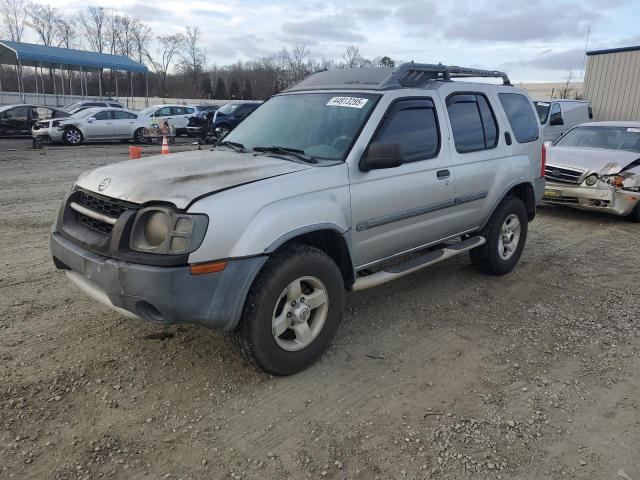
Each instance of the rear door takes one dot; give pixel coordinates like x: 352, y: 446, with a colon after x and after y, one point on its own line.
x: 180, y: 117
x: 402, y: 208
x: 100, y: 126
x: 475, y: 136
x: 124, y: 123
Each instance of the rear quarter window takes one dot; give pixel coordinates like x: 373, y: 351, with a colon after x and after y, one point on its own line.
x: 522, y: 118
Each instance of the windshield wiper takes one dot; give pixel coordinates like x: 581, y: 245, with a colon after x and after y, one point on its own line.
x: 238, y: 147
x: 295, y: 152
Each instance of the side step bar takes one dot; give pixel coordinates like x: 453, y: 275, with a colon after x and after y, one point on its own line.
x: 401, y: 269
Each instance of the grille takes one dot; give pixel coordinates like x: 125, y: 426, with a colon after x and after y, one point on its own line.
x: 99, y: 204
x: 561, y: 174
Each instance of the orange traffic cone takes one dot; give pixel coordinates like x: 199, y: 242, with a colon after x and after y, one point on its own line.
x: 165, y: 146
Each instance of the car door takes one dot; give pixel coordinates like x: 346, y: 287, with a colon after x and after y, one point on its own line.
x: 179, y: 119
x: 124, y: 123
x: 403, y: 208
x: 100, y: 126
x: 164, y: 113
x: 555, y: 128
x: 15, y: 120
x: 474, y: 145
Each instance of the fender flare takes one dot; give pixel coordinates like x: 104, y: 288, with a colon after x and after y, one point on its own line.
x: 502, y: 196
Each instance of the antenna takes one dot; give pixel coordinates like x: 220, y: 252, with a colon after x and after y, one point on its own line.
x: 584, y: 58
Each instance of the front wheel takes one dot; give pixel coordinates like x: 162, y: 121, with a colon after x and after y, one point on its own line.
x: 138, y: 136
x: 292, y: 311
x: 72, y: 136
x: 506, y: 235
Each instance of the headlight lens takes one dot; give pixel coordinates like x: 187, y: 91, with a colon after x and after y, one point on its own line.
x: 163, y: 230
x: 591, y: 180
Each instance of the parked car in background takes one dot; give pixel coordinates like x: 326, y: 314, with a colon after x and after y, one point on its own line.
x: 84, y: 104
x: 596, y: 166
x: 91, y: 124
x: 349, y: 179
x: 558, y: 116
x: 176, y: 115
x: 19, y: 119
x: 199, y: 121
x: 230, y: 115
x: 205, y: 108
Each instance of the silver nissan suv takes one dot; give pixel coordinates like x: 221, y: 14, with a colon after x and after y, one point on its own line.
x: 347, y: 180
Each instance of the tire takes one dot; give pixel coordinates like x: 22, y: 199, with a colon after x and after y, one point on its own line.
x: 269, y: 300
x: 224, y: 131
x: 495, y: 257
x: 72, y: 136
x: 138, y: 136
x: 634, y: 216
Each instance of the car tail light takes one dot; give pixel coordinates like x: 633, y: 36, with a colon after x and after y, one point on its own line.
x: 544, y: 160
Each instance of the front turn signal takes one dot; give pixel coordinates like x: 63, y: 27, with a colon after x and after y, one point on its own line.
x: 209, y: 267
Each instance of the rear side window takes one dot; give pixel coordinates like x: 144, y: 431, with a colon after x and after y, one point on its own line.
x: 472, y: 122
x: 414, y: 125
x: 106, y: 115
x: 122, y: 115
x: 521, y: 116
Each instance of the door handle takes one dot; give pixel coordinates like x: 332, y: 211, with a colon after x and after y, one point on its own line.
x: 443, y: 174
x: 507, y: 138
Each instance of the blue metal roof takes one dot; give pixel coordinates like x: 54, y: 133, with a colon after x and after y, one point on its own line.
x: 29, y: 54
x: 613, y: 50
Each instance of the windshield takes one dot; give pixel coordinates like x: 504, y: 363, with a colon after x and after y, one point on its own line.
x: 87, y: 112
x: 543, y: 111
x: 610, y: 138
x: 322, y: 125
x: 147, y: 111
x: 228, y: 108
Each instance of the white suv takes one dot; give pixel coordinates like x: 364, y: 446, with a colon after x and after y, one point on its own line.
x: 176, y: 115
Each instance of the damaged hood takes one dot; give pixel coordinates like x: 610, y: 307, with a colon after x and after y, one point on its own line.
x: 180, y: 178
x: 594, y: 160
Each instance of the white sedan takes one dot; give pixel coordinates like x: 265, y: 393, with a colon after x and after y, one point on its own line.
x: 92, y: 124
x: 176, y: 115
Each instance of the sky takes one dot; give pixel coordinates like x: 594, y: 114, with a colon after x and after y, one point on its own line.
x: 534, y: 41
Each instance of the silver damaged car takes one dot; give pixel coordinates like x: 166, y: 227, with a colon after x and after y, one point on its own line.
x: 345, y: 181
x: 596, y: 166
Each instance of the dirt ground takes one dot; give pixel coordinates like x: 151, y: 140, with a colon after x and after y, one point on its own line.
x: 445, y: 374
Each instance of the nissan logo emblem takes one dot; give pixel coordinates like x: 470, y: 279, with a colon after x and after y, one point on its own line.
x: 104, y: 184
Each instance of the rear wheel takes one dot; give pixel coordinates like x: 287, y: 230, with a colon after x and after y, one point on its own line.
x: 138, y: 136
x: 72, y: 136
x: 292, y: 311
x: 506, y: 235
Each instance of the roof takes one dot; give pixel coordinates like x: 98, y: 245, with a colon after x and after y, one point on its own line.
x: 612, y: 123
x: 32, y: 55
x: 407, y: 75
x: 613, y: 50
x: 559, y: 100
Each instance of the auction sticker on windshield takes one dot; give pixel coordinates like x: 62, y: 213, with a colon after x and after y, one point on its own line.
x: 352, y: 102
x: 633, y: 130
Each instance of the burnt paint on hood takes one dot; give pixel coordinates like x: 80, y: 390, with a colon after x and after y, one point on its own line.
x: 594, y: 160
x: 182, y: 177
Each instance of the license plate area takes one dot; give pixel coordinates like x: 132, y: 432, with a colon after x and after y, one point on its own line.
x: 552, y: 194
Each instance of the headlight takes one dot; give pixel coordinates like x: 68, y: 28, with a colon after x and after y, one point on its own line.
x: 591, y: 180
x: 163, y: 230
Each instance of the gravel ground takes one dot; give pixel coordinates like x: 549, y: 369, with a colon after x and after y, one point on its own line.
x: 445, y: 374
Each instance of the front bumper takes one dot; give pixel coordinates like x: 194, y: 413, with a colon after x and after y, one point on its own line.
x: 165, y: 295
x: 601, y: 197
x: 49, y: 134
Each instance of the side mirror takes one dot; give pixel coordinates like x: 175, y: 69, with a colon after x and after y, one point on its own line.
x: 555, y: 121
x: 91, y: 119
x: 381, y: 155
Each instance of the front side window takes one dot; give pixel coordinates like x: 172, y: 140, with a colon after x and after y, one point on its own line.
x: 322, y: 125
x: 412, y: 124
x: 521, y: 116
x: 163, y: 112
x: 18, y: 113
x: 103, y: 115
x: 543, y: 111
x: 610, y: 138
x: 556, y: 113
x: 472, y: 122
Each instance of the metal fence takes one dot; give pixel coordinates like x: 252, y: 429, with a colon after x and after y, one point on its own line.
x: 134, y: 103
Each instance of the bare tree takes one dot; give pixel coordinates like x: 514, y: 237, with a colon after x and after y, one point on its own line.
x: 169, y: 48
x: 43, y: 19
x: 566, y: 89
x: 65, y: 33
x: 92, y: 25
x: 352, y: 57
x: 192, y: 59
x: 295, y: 62
x: 141, y: 37
x: 14, y: 15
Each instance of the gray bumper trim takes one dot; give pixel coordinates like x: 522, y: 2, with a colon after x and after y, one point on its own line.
x: 538, y: 189
x: 214, y: 300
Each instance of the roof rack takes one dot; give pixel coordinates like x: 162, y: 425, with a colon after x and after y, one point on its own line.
x: 407, y: 75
